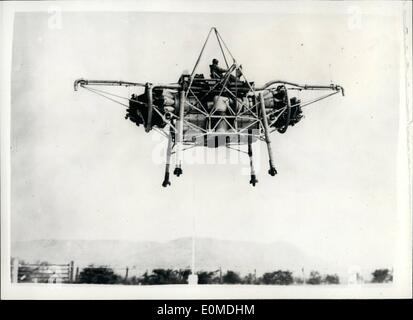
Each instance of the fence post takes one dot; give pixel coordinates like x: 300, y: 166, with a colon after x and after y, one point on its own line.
x: 127, y: 273
x: 71, y: 273
x: 15, y: 270
x: 77, y: 275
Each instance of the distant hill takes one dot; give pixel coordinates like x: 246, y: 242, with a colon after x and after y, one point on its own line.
x: 211, y: 254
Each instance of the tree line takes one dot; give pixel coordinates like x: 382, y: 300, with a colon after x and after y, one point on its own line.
x: 106, y: 275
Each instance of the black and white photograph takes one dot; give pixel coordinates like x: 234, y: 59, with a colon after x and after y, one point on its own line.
x: 211, y: 149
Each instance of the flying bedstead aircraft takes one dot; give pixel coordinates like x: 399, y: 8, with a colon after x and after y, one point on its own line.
x: 225, y: 110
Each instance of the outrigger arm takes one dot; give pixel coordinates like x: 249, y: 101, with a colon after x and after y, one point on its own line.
x: 82, y: 82
x: 301, y: 87
x: 148, y: 86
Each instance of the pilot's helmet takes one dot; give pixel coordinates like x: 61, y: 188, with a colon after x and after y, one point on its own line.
x: 215, y: 61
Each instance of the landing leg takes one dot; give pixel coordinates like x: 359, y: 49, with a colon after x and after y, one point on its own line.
x: 253, y: 180
x: 179, y: 135
x: 272, y: 170
x: 166, y: 181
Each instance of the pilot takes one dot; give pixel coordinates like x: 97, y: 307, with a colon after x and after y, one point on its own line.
x: 239, y: 72
x: 216, y: 71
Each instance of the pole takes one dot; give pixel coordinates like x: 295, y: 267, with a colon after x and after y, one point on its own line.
x: 193, y: 277
x: 193, y: 255
x: 272, y: 170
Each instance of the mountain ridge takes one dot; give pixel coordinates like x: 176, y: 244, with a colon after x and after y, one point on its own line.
x: 210, y: 254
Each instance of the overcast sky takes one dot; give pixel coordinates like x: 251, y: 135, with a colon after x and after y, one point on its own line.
x: 81, y: 171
